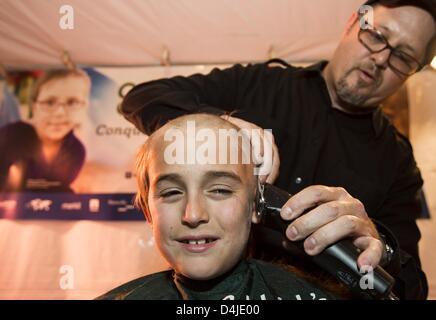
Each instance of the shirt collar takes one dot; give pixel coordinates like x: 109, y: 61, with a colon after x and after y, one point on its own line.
x: 378, y: 122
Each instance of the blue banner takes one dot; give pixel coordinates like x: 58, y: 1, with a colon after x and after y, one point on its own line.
x: 68, y: 206
x: 65, y: 151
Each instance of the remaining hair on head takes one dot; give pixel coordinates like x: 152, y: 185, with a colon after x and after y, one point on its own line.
x: 427, y: 5
x: 143, y: 182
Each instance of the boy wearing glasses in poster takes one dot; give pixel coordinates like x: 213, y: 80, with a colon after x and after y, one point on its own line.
x: 43, y: 154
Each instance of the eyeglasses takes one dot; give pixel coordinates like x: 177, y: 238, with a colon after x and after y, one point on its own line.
x: 51, y: 105
x: 399, y: 61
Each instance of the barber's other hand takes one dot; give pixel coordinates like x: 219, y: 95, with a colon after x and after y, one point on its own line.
x: 274, y: 172
x: 334, y: 215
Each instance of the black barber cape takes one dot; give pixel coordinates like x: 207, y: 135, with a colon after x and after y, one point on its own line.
x: 249, y: 280
x: 317, y: 144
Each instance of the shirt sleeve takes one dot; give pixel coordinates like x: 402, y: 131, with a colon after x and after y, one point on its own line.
x: 151, y: 104
x: 238, y: 88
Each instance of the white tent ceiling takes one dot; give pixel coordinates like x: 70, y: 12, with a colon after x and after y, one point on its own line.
x: 135, y: 32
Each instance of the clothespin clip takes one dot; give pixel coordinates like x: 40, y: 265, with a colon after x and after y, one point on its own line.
x: 165, y: 57
x: 67, y: 61
x: 271, y: 53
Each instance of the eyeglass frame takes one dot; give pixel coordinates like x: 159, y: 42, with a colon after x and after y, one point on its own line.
x: 58, y: 104
x: 391, y: 50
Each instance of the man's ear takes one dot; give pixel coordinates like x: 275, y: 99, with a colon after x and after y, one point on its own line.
x: 351, y: 21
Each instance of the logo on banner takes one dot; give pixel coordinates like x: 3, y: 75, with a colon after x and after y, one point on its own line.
x: 126, y: 208
x: 71, y: 206
x: 94, y: 205
x: 8, y: 204
x: 123, y: 205
x: 40, y: 204
x: 128, y: 132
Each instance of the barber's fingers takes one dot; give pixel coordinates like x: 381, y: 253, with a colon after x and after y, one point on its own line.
x: 255, y: 136
x: 242, y: 124
x: 265, y: 153
x: 372, y: 251
x: 324, y: 214
x: 271, y: 178
x: 347, y: 226
x: 268, y: 158
x: 310, y: 197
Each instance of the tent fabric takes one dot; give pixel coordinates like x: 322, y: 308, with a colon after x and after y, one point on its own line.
x: 136, y: 32
x: 73, y: 259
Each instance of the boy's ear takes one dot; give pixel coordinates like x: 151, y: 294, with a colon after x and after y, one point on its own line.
x: 255, y: 218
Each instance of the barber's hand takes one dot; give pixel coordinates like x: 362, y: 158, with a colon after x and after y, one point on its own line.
x: 335, y: 215
x: 274, y: 172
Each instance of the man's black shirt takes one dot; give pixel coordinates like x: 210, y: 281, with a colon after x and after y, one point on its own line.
x: 317, y: 144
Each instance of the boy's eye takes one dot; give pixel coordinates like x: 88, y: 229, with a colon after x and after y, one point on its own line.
x: 221, y: 191
x: 170, y: 193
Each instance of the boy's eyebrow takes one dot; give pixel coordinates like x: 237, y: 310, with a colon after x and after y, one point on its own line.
x: 175, y: 177
x: 172, y: 177
x: 223, y: 174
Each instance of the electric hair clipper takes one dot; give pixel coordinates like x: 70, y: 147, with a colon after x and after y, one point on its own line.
x: 339, y: 259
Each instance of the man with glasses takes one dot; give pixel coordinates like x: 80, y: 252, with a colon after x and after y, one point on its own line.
x: 349, y: 170
x: 399, y: 61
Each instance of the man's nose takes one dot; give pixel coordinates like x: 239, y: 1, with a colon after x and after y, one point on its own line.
x: 195, y: 212
x: 381, y: 58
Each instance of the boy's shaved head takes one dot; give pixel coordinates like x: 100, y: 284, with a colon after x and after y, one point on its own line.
x: 158, y: 142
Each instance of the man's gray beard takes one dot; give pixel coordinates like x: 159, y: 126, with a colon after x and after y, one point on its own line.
x: 348, y: 95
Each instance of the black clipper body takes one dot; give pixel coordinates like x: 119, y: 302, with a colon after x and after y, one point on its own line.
x: 339, y: 259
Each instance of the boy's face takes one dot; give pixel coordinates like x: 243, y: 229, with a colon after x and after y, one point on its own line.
x: 201, y: 213
x: 56, y: 109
